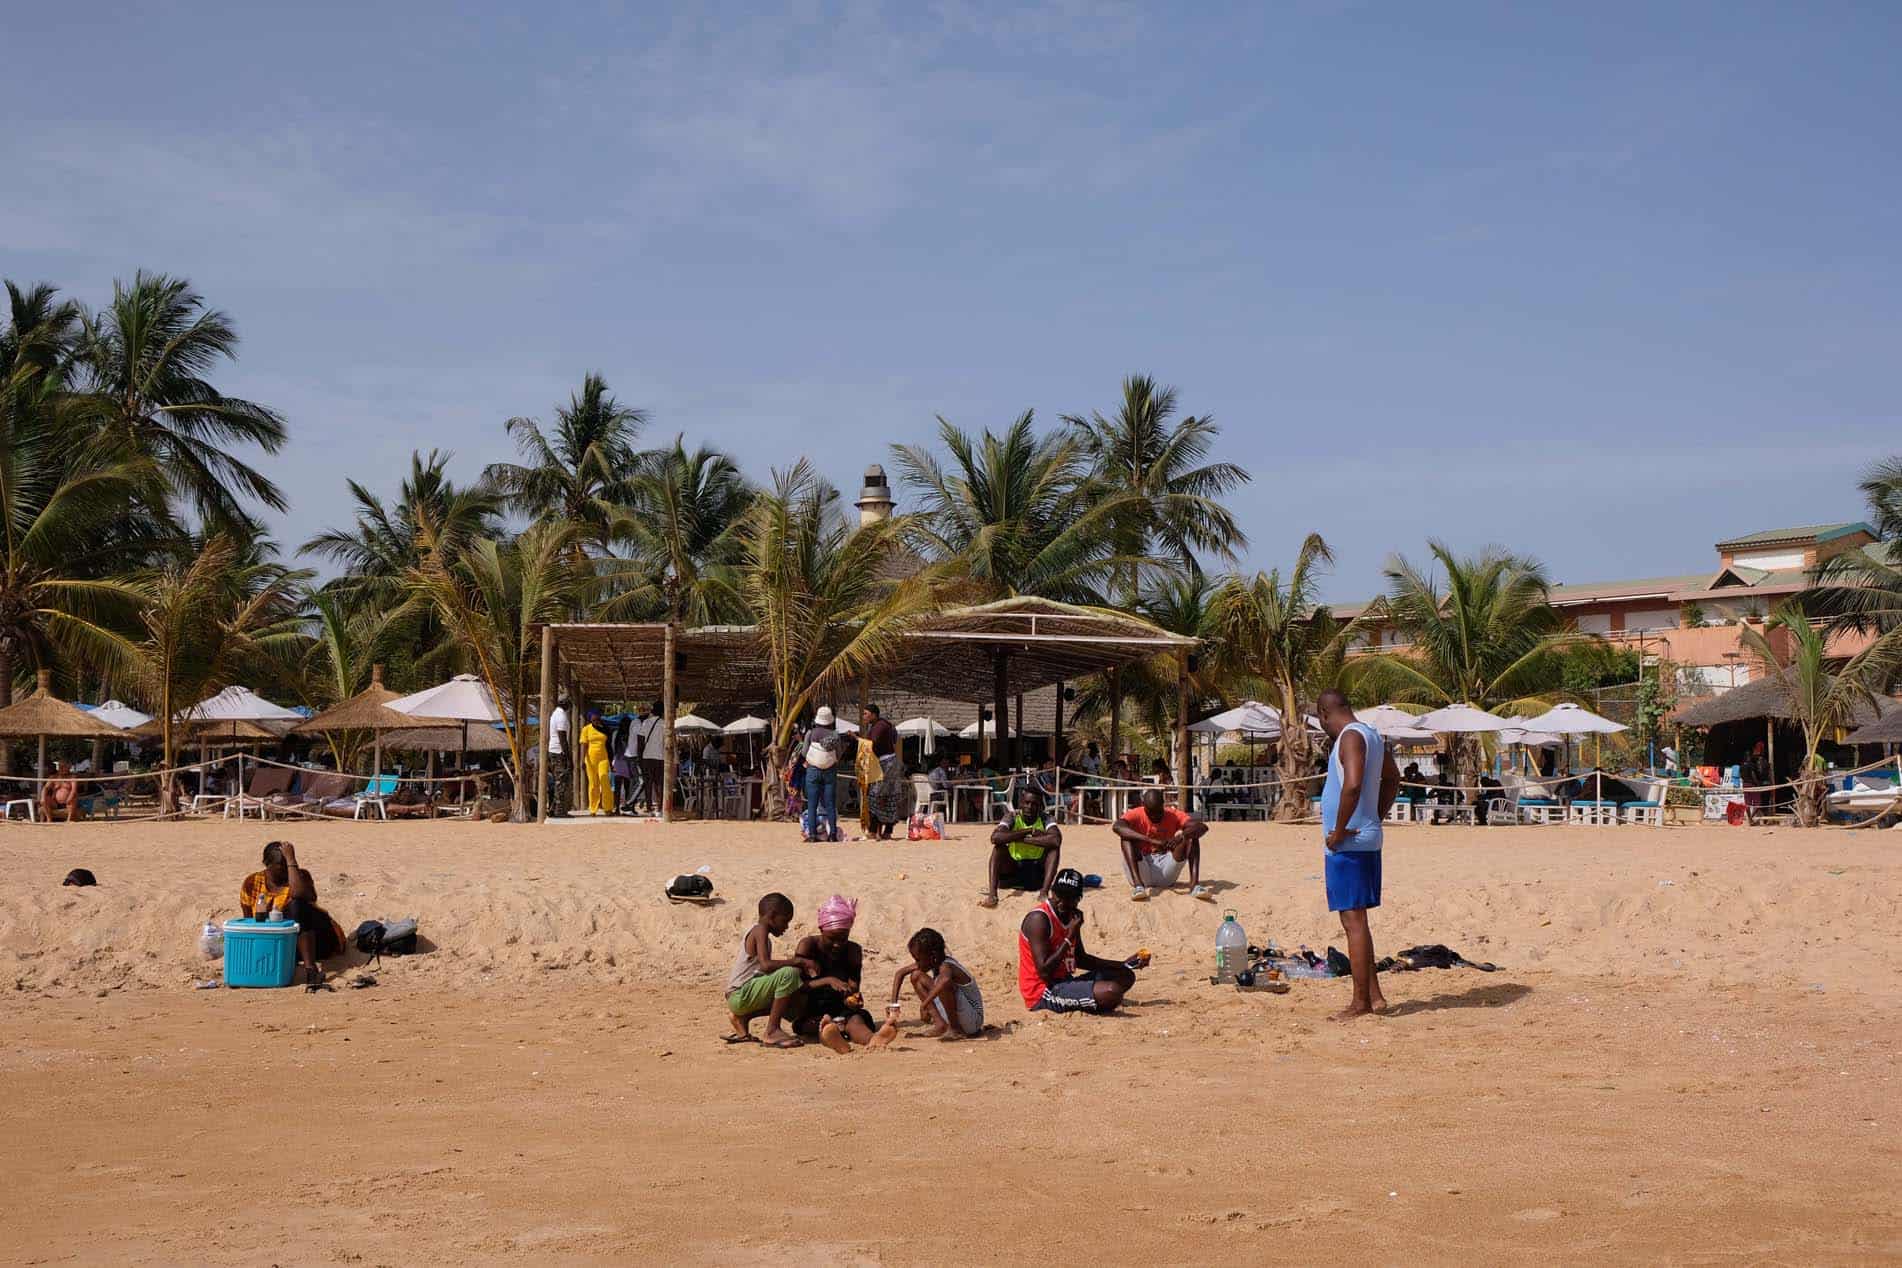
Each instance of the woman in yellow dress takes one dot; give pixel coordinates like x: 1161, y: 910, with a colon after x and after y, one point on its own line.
x: 594, y: 760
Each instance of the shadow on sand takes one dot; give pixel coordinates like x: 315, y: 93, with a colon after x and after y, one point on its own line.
x: 1498, y: 996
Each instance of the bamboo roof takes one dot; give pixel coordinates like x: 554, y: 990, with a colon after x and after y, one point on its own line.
x: 368, y: 710
x: 43, y: 713
x: 1760, y: 698
x: 949, y: 655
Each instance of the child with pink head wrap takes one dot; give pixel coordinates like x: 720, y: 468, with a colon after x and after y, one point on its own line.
x: 838, y: 912
x: 835, y: 1012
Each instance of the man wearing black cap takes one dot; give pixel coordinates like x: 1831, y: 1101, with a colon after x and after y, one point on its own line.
x: 1054, y: 973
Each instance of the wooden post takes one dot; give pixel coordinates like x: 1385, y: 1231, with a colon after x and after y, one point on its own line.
x: 1770, y: 743
x: 577, y: 778
x: 1056, y: 740
x: 1182, y: 732
x: 668, y: 760
x: 547, y: 713
x: 1000, y: 705
x: 1115, y: 718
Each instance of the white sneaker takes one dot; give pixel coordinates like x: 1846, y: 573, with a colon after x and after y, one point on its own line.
x: 1139, y: 895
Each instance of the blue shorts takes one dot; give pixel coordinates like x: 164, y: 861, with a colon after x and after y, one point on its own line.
x: 1353, y: 879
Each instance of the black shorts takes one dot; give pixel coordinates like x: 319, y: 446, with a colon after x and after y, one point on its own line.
x: 317, y: 922
x: 1022, y: 874
x: 1077, y: 995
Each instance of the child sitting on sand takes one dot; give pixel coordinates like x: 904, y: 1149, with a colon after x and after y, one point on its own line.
x: 948, y: 996
x: 834, y: 1011
x: 761, y: 984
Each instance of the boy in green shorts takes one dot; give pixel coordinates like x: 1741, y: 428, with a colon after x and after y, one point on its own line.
x: 761, y: 984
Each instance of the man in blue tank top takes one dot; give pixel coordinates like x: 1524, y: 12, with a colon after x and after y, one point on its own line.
x: 1353, y: 808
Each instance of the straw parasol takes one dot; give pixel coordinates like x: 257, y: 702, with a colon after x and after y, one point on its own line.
x: 1885, y: 730
x: 42, y: 714
x: 369, y: 710
x: 447, y: 739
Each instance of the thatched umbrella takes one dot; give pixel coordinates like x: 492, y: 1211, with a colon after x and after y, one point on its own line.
x: 42, y: 714
x: 1885, y: 730
x: 368, y: 710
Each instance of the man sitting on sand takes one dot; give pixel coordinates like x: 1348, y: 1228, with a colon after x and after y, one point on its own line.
x: 286, y: 887
x: 1054, y: 973
x: 1024, y: 849
x: 949, y: 1001
x: 761, y: 984
x: 1157, y: 840
x: 834, y: 1011
x: 59, y: 796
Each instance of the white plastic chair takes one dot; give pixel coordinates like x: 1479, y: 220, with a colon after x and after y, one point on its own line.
x: 32, y: 809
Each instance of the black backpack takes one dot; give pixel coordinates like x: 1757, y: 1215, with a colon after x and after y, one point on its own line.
x: 376, y: 939
x: 690, y: 886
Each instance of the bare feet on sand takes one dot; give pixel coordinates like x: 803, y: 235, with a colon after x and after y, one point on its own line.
x: 1353, y: 1011
x: 885, y: 1034
x: 777, y: 1038
x: 832, y: 1037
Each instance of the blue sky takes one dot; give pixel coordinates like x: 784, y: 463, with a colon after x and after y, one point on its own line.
x: 1602, y: 282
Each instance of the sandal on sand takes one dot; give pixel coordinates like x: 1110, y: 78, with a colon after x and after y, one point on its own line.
x: 1203, y: 892
x: 733, y: 1038
x: 782, y: 1043
x: 987, y: 900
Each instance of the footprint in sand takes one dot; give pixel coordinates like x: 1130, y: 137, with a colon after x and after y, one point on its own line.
x: 1536, y: 1214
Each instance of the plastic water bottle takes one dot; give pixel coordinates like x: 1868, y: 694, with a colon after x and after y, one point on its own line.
x: 1231, y: 948
x: 211, y: 941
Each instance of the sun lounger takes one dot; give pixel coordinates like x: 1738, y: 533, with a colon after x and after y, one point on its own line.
x: 267, y: 787
x: 1650, y: 810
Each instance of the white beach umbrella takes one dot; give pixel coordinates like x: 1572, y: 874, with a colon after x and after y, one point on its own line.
x: 1387, y: 717
x: 463, y: 699
x: 990, y: 730
x: 927, y: 729
x: 119, y: 714
x: 1251, y: 717
x: 748, y: 725
x: 239, y: 704
x: 1461, y: 718
x: 694, y: 722
x: 1572, y: 719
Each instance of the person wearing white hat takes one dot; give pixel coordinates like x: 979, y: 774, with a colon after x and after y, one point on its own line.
x: 822, y: 778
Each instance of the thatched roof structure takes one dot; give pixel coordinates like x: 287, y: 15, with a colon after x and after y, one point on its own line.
x: 1885, y: 730
x: 368, y: 710
x: 1760, y: 698
x: 43, y: 713
x: 951, y: 655
x: 483, y: 738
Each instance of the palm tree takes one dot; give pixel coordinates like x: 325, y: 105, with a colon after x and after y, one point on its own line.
x: 146, y: 358
x: 818, y: 596
x: 1859, y: 592
x: 1491, y: 639
x: 682, y: 533
x: 378, y: 553
x: 64, y: 517
x: 493, y: 598
x: 1013, y: 513
x: 1157, y: 693
x: 1820, y: 702
x: 344, y: 646
x: 211, y: 616
x: 1159, y: 466
x: 1278, y: 638
x: 580, y: 474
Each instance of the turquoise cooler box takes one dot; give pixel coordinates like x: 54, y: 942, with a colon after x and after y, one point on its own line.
x: 260, y: 952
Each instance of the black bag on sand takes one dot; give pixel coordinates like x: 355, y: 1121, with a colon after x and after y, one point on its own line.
x: 376, y: 939
x: 692, y: 888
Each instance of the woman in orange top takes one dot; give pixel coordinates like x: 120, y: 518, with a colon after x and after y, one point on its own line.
x: 288, y: 888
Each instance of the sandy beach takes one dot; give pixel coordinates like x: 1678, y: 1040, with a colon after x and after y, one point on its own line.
x: 1689, y: 1054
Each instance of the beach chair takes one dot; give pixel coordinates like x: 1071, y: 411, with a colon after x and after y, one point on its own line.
x: 930, y: 800
x: 375, y: 794
x: 1650, y: 810
x: 268, y: 785
x: 32, y: 809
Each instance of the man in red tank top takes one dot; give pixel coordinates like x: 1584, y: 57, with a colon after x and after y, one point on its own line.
x: 1050, y: 953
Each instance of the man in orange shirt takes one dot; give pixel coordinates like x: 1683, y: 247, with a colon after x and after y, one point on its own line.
x: 1157, y: 840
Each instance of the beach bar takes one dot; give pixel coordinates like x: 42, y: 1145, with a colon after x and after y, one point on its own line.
x: 993, y: 652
